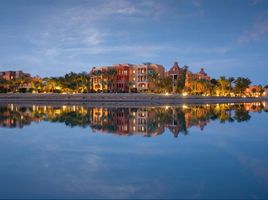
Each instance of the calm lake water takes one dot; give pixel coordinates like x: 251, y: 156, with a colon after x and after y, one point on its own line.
x: 187, y: 151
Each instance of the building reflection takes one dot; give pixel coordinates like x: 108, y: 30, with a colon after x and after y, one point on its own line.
x: 144, y: 121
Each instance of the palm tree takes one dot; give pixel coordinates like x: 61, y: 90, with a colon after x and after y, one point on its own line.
x: 182, y: 79
x: 130, y: 85
x: 166, y: 84
x: 103, y: 84
x: 3, y: 85
x: 153, y: 78
x: 231, y: 80
x: 241, y: 84
x: 111, y: 73
x: 223, y: 84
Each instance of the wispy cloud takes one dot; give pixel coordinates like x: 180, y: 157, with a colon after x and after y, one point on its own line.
x: 254, y: 2
x: 258, y: 31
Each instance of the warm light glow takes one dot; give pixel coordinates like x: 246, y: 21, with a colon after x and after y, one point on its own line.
x: 166, y: 93
x: 184, y: 106
x: 184, y: 94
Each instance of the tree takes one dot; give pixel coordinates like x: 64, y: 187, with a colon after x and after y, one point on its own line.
x: 261, y: 90
x: 130, y: 85
x: 153, y: 78
x: 223, y: 85
x: 103, y: 85
x: 213, y: 86
x: 111, y: 73
x: 3, y: 85
x: 202, y: 86
x: 182, y: 79
x: 241, y: 84
x: 231, y: 80
x: 165, y: 84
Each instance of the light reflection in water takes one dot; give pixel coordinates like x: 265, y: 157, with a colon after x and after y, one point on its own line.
x: 54, y: 160
x: 146, y: 121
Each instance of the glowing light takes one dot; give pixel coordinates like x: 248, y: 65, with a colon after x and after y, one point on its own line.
x: 166, y: 93
x: 167, y: 107
x: 184, y: 106
x: 184, y: 94
x: 64, y: 108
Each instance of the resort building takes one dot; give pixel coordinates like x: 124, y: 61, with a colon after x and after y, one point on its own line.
x: 140, y: 78
x: 253, y: 91
x: 193, y: 78
x: 13, y: 75
x: 175, y: 72
x: 202, y: 75
x: 124, y: 77
x: 142, y: 82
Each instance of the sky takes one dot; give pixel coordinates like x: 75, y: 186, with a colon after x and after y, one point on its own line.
x: 51, y: 38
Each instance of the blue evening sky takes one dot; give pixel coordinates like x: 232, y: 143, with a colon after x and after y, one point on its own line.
x: 54, y: 37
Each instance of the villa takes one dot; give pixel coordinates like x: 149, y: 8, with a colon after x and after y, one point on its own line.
x: 13, y: 75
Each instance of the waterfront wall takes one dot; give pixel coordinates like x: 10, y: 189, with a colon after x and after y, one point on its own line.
x: 123, y: 97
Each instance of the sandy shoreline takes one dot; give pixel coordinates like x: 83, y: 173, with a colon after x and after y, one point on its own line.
x: 120, y: 99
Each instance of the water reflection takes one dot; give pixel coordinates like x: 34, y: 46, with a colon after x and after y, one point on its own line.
x: 145, y: 121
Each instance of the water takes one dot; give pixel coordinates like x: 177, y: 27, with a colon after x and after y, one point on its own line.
x: 187, y: 151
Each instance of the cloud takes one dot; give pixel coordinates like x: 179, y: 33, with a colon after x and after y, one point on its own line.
x: 258, y: 31
x: 254, y: 2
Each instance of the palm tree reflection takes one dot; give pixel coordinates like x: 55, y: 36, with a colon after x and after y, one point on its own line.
x: 145, y: 121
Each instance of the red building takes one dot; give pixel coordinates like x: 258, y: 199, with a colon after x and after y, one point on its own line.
x: 13, y: 75
x: 121, y: 81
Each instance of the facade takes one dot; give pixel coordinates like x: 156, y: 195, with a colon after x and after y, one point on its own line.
x: 136, y: 78
x: 253, y: 91
x: 192, y: 77
x: 99, y: 78
x: 13, y: 75
x: 142, y: 82
x: 174, y: 72
x: 124, y: 77
x: 202, y: 75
